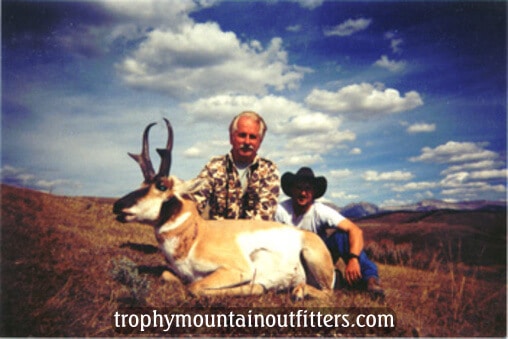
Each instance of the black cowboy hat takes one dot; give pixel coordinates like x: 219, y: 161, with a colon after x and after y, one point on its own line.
x: 304, y: 174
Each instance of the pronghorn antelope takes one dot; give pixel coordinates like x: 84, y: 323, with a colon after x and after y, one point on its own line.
x: 226, y: 257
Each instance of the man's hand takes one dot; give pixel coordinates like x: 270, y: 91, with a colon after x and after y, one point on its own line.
x: 353, y: 272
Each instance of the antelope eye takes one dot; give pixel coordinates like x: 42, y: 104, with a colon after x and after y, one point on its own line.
x: 160, y: 186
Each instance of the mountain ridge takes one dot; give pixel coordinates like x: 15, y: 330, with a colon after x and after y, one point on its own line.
x: 364, y: 209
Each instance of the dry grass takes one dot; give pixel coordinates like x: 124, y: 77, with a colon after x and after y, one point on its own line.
x: 67, y: 267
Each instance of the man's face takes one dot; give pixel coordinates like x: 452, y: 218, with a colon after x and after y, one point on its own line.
x: 303, y: 194
x: 246, y: 140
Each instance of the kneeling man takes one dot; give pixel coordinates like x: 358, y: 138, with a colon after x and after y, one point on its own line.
x: 345, y: 242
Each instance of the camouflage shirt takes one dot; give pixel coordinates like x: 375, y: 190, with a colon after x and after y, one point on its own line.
x: 222, y: 190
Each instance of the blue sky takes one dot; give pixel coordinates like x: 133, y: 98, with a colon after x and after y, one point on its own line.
x: 394, y: 102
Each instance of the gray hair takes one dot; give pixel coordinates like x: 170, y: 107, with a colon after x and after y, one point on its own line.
x: 252, y: 115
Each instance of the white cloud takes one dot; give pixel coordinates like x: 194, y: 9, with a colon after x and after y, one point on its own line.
x: 299, y: 159
x: 13, y: 175
x: 474, y: 174
x: 473, y: 167
x: 206, y: 149
x: 387, y: 176
x: 415, y: 186
x: 312, y: 123
x: 309, y: 4
x: 343, y: 196
x: 394, y: 41
x: 348, y: 27
x: 471, y: 190
x: 455, y: 179
x: 294, y: 28
x: 275, y: 110
x: 363, y: 100
x: 340, y: 174
x: 310, y: 148
x: 459, y: 178
x: 489, y: 174
x: 319, y: 143
x: 202, y: 60
x: 355, y: 151
x: 421, y: 128
x: 313, y: 145
x: 479, y: 165
x: 424, y: 195
x: 395, y: 45
x: 154, y: 12
x: 302, y: 136
x: 391, y: 65
x: 8, y: 170
x: 21, y: 177
x: 455, y: 152
x: 194, y: 152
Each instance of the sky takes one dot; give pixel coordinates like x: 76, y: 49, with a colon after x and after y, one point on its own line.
x: 393, y: 102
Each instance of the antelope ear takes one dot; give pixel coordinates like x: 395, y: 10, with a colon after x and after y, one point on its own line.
x: 194, y: 185
x: 176, y: 184
x: 186, y: 189
x: 170, y: 182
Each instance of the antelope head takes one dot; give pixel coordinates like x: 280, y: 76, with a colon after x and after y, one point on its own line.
x: 145, y: 204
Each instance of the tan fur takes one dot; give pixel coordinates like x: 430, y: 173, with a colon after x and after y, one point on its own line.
x: 236, y: 257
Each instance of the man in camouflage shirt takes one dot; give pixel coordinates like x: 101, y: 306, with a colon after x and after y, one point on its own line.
x: 240, y: 184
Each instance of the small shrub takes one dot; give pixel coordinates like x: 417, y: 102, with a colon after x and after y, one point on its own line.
x: 126, y: 272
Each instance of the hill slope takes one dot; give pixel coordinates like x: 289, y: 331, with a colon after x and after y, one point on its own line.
x: 61, y: 259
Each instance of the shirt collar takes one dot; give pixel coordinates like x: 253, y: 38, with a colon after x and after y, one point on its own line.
x: 230, y: 163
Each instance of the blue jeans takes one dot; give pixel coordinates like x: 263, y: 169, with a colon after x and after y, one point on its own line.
x: 338, y: 245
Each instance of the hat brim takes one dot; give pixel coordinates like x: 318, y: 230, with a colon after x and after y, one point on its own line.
x: 289, y: 179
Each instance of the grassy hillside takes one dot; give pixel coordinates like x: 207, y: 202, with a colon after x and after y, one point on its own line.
x: 473, y: 240
x: 67, y: 266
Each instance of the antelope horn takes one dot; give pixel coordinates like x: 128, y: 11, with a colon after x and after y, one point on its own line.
x: 165, y: 153
x: 143, y: 159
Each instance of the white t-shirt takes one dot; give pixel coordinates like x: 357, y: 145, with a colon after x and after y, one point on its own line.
x: 317, y: 219
x: 243, y: 174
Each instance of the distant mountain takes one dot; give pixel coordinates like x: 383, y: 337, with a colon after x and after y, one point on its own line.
x: 363, y: 209
x: 433, y: 204
x: 359, y: 210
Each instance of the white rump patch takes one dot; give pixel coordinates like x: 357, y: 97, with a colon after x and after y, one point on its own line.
x: 275, y: 256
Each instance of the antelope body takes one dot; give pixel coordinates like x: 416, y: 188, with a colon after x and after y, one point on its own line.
x: 227, y: 257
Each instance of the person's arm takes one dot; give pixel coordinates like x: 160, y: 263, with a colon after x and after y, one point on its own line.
x: 353, y: 272
x: 269, y: 188
x: 355, y: 236
x: 202, y: 196
x: 281, y: 215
